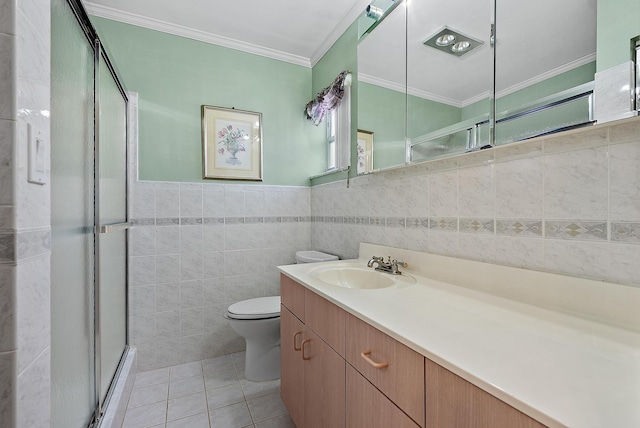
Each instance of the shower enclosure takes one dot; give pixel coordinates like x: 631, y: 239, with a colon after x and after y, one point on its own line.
x: 88, y: 220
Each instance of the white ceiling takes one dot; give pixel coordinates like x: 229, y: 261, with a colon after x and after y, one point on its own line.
x: 297, y: 31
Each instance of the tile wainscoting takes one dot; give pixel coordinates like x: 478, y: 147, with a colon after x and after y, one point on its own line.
x: 567, y: 204
x: 196, y: 248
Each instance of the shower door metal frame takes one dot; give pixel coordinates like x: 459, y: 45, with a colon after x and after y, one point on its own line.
x: 102, y: 229
x: 99, y: 229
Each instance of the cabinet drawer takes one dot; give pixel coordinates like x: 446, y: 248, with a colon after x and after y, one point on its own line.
x: 292, y: 296
x: 454, y: 402
x: 392, y: 367
x: 369, y: 408
x: 326, y: 319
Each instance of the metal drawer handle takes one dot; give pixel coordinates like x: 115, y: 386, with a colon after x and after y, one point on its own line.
x: 296, y: 348
x: 366, y: 354
x: 302, y: 346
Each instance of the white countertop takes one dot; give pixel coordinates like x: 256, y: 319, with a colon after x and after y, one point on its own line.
x: 560, y: 369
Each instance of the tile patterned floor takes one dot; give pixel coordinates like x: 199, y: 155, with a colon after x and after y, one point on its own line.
x: 210, y: 393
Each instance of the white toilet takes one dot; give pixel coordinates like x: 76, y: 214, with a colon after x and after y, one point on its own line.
x: 258, y: 321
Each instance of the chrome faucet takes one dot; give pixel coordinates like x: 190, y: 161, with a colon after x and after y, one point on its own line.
x: 390, y: 266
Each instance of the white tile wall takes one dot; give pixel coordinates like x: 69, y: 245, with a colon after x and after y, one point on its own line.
x: 196, y: 248
x: 612, y: 92
x: 24, y: 216
x: 567, y: 204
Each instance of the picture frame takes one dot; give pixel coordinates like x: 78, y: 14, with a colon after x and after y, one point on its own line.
x: 231, y: 144
x: 365, y: 152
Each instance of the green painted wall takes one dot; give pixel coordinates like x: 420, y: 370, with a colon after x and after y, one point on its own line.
x: 343, y: 55
x: 382, y: 111
x: 555, y: 84
x: 174, y: 76
x: 618, y: 23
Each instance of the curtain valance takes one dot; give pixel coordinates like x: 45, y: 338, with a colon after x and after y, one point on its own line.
x: 326, y: 100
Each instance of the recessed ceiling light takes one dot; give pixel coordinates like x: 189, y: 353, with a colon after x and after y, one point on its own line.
x: 374, y: 12
x: 452, y: 42
x: 445, y: 40
x: 461, y: 46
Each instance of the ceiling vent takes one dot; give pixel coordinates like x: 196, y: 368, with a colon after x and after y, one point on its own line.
x: 452, y: 42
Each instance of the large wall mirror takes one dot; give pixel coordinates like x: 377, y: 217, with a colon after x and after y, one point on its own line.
x: 442, y: 79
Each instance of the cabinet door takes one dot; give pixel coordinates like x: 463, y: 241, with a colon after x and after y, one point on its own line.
x: 291, y: 365
x: 292, y: 296
x: 325, y: 319
x: 453, y: 402
x: 369, y: 408
x: 392, y: 367
x: 324, y: 377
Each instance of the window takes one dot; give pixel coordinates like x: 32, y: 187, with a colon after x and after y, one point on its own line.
x: 339, y: 133
x: 331, y: 139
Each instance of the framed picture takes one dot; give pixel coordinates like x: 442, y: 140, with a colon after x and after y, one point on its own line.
x: 231, y: 144
x: 365, y: 152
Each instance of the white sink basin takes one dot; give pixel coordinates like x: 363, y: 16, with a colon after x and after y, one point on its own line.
x: 359, y: 277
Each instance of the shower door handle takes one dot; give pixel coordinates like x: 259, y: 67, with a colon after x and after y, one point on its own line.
x: 116, y: 227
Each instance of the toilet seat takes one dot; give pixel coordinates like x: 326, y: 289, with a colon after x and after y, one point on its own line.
x: 252, y: 309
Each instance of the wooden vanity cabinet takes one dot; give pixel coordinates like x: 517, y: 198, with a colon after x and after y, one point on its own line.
x: 395, y: 369
x: 452, y: 402
x: 312, y: 372
x: 367, y: 407
x: 292, y: 365
x: 338, y: 371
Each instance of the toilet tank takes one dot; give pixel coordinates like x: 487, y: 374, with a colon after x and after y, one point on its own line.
x: 314, y: 257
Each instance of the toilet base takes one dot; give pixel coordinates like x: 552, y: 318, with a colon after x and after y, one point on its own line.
x: 262, y: 362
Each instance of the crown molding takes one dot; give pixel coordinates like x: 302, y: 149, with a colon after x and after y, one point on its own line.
x: 339, y: 30
x: 481, y: 96
x: 190, y: 33
x: 547, y: 75
x: 411, y: 91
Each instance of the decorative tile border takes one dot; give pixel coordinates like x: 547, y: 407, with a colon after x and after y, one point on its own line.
x: 234, y: 220
x: 144, y: 222
x: 576, y: 229
x: 477, y: 225
x: 213, y: 221
x: 172, y: 221
x: 7, y: 247
x: 33, y: 243
x: 377, y: 221
x: 449, y: 224
x: 362, y: 221
x: 396, y: 222
x: 519, y: 227
x: 625, y: 232
x: 190, y: 221
x: 253, y: 220
x: 417, y: 223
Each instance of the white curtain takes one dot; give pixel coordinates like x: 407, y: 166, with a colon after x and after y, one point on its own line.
x: 343, y: 128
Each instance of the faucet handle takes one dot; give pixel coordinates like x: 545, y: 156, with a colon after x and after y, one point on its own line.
x: 401, y: 264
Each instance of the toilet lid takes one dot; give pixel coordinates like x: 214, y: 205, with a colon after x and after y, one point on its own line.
x: 262, y: 307
x: 314, y: 257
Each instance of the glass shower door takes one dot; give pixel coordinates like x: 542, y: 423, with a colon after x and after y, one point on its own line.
x: 73, y: 397
x: 111, y: 219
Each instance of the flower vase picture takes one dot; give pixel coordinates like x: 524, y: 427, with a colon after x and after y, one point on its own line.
x: 232, y: 144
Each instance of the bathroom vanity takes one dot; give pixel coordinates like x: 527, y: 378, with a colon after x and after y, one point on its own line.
x: 420, y: 351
